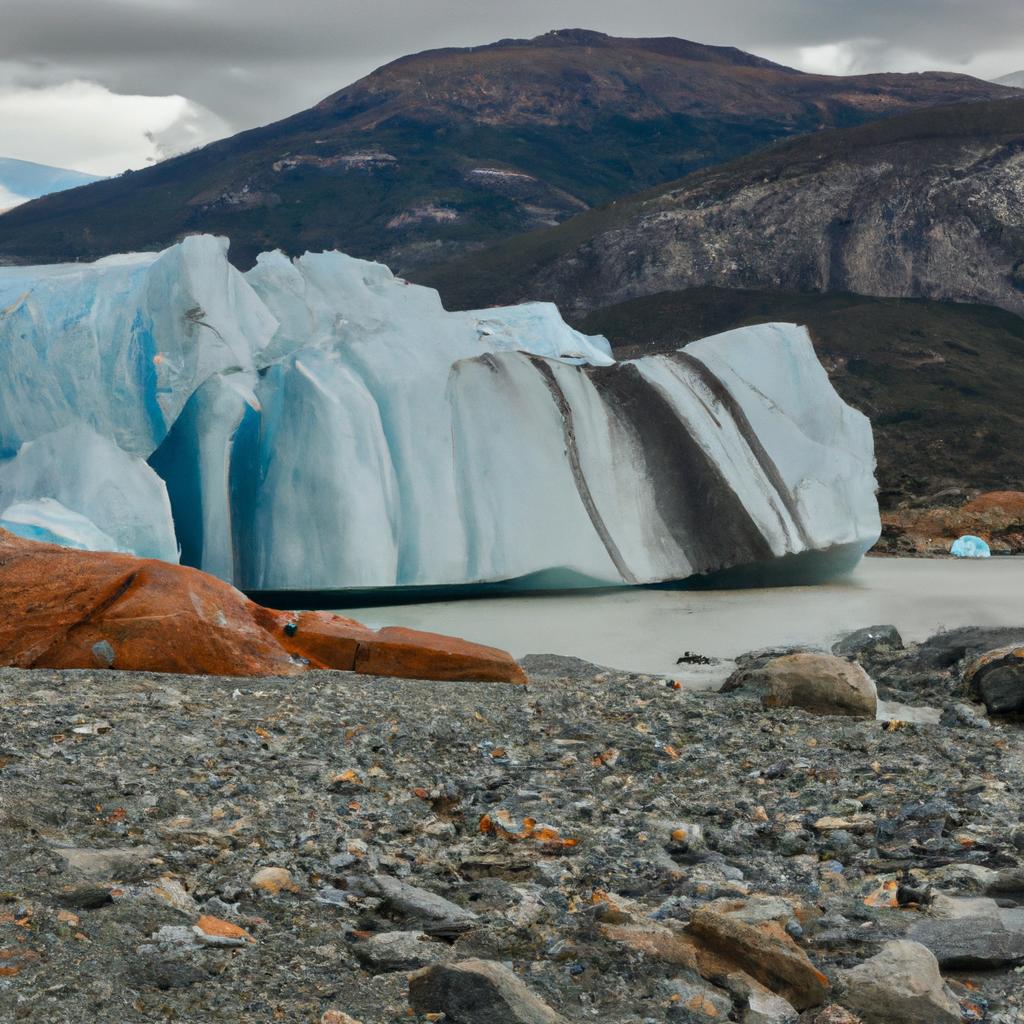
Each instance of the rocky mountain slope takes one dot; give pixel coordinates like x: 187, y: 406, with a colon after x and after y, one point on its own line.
x: 930, y: 204
x: 938, y: 380
x: 443, y: 151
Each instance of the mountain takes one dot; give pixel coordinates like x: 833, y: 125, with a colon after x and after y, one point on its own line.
x: 438, y: 153
x: 1014, y: 80
x: 940, y: 381
x: 926, y: 205
x: 21, y: 180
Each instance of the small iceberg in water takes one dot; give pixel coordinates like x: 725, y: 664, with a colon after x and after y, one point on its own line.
x: 969, y: 546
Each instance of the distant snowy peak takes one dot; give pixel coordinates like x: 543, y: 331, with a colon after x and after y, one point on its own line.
x: 1014, y: 80
x: 21, y: 180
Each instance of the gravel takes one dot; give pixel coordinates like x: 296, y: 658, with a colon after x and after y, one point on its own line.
x: 568, y: 831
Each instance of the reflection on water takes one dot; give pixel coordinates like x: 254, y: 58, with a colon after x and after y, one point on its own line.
x: 647, y: 630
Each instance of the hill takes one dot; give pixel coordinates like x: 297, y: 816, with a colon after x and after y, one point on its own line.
x: 21, y: 180
x: 929, y: 205
x: 1014, y: 80
x: 939, y: 381
x: 441, y: 152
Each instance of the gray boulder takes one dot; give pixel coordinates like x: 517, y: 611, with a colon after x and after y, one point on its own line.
x: 399, y: 951
x: 866, y: 640
x: 478, y: 992
x: 997, y: 677
x: 899, y: 985
x: 820, y: 683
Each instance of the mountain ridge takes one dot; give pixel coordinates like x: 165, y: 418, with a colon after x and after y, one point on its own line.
x: 443, y: 152
x: 928, y: 205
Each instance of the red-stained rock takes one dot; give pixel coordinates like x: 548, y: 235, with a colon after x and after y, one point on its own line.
x: 396, y: 651
x: 80, y: 609
x: 996, y: 516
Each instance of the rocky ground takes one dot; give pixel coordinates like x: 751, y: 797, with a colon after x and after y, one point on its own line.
x: 594, y: 846
x: 930, y: 526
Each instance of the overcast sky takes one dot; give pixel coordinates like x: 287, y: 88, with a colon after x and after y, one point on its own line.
x: 102, y: 85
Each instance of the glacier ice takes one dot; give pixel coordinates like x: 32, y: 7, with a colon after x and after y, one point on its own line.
x: 319, y: 424
x: 969, y: 546
x: 118, y: 493
x: 48, y: 521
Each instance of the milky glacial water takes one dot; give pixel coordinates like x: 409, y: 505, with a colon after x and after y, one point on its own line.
x: 647, y: 630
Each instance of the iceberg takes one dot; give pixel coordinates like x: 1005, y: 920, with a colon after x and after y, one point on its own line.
x: 48, y: 521
x: 317, y: 424
x: 969, y: 546
x: 83, y: 473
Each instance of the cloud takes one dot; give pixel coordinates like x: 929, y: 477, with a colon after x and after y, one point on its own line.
x: 87, y: 127
x: 9, y: 199
x: 254, y: 61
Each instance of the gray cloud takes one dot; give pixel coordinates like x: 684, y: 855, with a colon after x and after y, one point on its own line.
x: 252, y: 61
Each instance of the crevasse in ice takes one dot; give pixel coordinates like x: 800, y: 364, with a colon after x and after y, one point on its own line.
x: 318, y: 424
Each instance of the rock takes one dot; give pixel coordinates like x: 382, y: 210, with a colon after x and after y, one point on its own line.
x: 964, y: 716
x: 61, y: 606
x: 213, y: 931
x: 900, y: 984
x: 272, y: 880
x: 980, y: 941
x: 558, y: 665
x: 399, y: 951
x: 477, y: 992
x: 337, y: 1017
x: 768, y: 1008
x: 820, y: 683
x: 836, y: 1014
x: 766, y: 953
x: 120, y: 863
x: 439, y: 916
x: 655, y: 942
x: 945, y: 649
x: 695, y: 1001
x: 997, y: 677
x: 868, y: 639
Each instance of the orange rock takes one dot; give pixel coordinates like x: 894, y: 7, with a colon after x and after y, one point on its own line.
x: 273, y: 880
x: 81, y: 609
x: 654, y: 941
x: 1009, y: 502
x: 765, y: 952
x: 214, y: 927
x: 396, y: 651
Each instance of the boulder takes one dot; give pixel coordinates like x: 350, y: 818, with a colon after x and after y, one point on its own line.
x: 820, y: 683
x: 900, y: 984
x: 980, y: 941
x: 997, y: 677
x: 945, y: 649
x: 866, y: 640
x: 437, y: 915
x: 768, y: 1008
x: 477, y: 992
x: 696, y: 1001
x: 65, y: 608
x: 764, y: 952
x: 399, y: 951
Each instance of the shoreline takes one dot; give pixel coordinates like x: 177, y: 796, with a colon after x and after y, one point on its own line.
x: 354, y: 829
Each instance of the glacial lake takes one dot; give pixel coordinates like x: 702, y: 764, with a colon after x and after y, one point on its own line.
x: 647, y: 630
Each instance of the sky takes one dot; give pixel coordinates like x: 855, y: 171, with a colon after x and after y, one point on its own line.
x: 105, y: 85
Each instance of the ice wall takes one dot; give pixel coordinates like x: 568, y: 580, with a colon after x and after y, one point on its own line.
x: 318, y: 424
